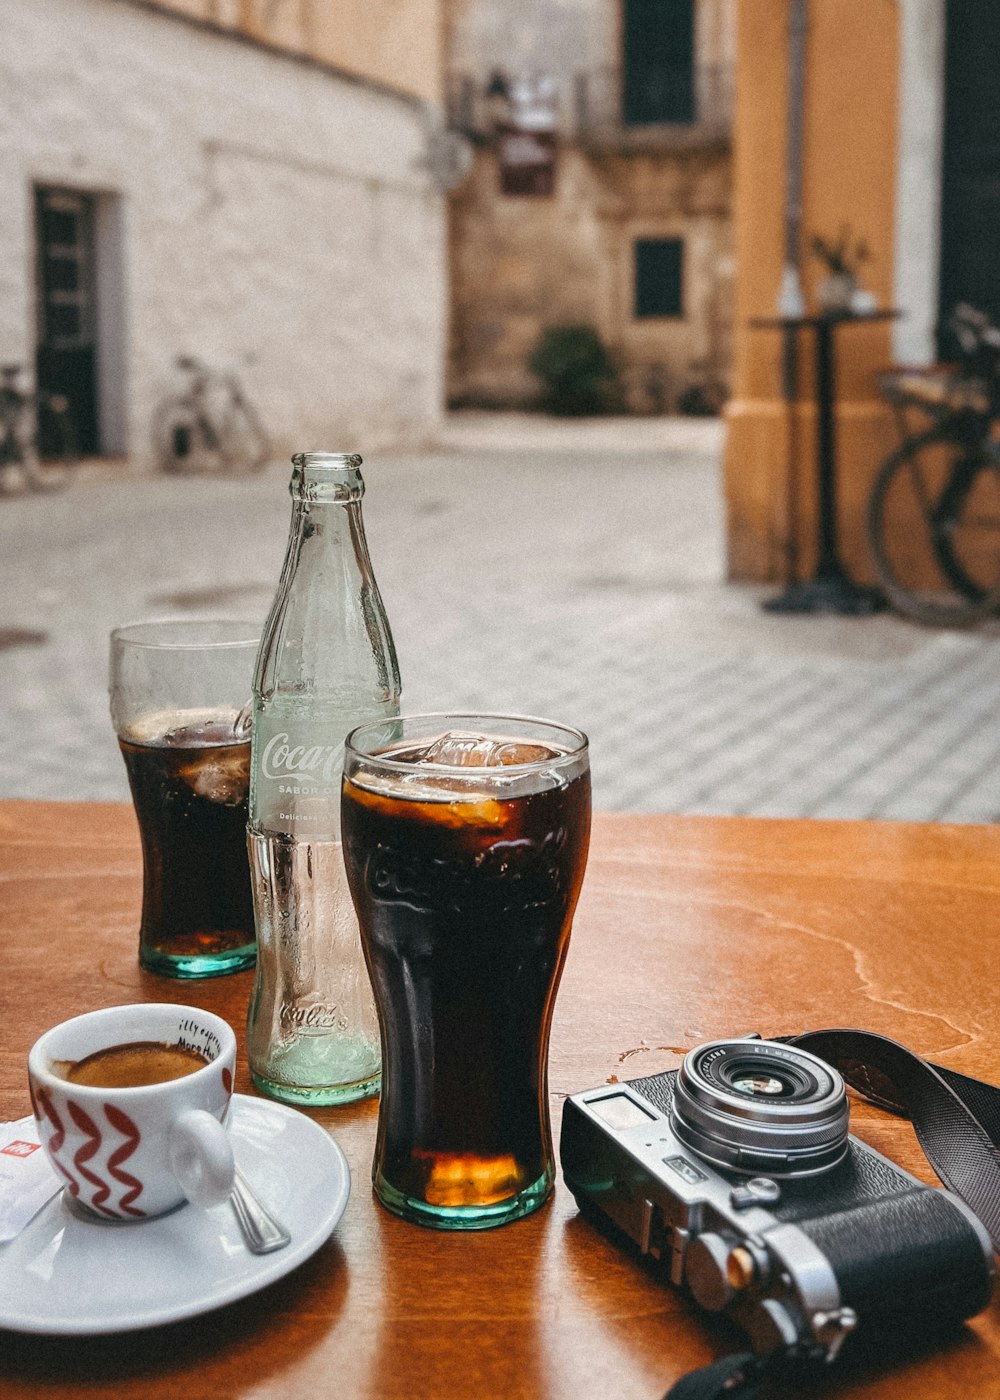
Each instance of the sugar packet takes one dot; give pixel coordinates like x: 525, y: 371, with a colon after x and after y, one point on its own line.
x: 27, y: 1180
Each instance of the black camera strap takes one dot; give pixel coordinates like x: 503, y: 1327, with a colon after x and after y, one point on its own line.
x: 956, y: 1118
x: 957, y: 1122
x: 733, y: 1378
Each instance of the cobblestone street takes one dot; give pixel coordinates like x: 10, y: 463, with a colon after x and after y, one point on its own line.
x: 568, y: 569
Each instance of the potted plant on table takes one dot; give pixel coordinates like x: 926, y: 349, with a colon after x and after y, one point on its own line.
x: 840, y: 290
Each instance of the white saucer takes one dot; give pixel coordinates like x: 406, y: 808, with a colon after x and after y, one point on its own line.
x: 63, y: 1275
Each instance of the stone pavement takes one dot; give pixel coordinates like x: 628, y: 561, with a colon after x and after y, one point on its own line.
x: 568, y: 569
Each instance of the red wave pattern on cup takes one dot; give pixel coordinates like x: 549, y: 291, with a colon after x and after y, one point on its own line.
x: 124, y: 1125
x: 106, y: 1187
x: 55, y: 1142
x: 83, y: 1155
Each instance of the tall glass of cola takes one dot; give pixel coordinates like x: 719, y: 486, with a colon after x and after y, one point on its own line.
x: 180, y: 704
x: 465, y: 842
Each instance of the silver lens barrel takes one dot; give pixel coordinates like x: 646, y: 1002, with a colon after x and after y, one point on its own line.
x: 761, y: 1107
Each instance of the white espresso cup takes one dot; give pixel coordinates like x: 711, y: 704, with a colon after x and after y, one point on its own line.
x: 128, y: 1153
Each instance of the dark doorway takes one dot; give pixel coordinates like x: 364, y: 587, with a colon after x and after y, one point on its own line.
x: 658, y: 62
x: 970, y: 179
x: 67, y: 311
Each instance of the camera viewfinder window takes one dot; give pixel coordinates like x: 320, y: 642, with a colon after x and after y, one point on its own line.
x: 619, y: 1111
x: 659, y: 277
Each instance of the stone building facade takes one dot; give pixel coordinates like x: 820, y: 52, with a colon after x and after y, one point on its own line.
x: 176, y: 179
x: 633, y: 234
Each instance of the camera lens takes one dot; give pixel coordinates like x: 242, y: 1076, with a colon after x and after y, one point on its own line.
x: 759, y: 1106
x: 749, y: 1083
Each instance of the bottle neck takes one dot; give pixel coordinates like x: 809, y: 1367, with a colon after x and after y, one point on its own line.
x: 326, y: 478
x: 327, y: 535
x: 326, y: 540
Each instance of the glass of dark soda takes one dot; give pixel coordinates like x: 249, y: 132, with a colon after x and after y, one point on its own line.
x: 180, y: 703
x: 465, y: 842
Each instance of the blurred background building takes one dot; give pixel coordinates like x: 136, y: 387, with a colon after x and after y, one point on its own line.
x: 252, y: 181
x: 878, y: 120
x: 600, y: 193
x: 372, y: 210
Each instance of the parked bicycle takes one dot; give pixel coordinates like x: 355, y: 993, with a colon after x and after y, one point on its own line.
x: 28, y: 417
x: 210, y: 426
x: 934, y: 512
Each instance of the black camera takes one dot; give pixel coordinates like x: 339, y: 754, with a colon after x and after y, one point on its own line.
x: 737, y: 1174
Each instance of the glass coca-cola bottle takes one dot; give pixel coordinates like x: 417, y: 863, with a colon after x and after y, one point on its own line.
x: 326, y: 663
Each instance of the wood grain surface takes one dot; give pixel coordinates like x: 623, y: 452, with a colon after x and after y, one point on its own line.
x: 688, y: 929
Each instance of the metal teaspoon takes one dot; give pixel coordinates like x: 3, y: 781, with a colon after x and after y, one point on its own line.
x: 261, y: 1231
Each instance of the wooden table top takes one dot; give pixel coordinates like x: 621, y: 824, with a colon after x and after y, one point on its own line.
x: 688, y: 929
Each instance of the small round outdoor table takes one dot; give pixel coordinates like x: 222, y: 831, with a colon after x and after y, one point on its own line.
x: 831, y: 589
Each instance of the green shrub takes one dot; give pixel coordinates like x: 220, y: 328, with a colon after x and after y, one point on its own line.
x: 576, y: 369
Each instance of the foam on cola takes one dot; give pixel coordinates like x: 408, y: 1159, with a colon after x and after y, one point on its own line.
x: 189, y: 776
x: 465, y: 891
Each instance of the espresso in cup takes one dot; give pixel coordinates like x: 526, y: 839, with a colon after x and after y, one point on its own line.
x: 129, y: 1066
x: 131, y: 1104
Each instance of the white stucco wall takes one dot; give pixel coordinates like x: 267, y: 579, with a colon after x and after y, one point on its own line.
x: 257, y: 206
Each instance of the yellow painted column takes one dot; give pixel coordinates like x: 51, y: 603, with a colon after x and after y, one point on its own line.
x: 850, y: 103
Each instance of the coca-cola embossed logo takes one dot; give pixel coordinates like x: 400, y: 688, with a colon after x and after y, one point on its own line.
x: 312, y: 763
x: 508, y: 877
x: 309, y: 1016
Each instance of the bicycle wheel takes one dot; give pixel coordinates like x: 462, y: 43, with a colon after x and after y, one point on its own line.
x: 180, y: 442
x: 16, y: 443
x: 934, y: 531
x: 245, y: 447
x: 967, y: 525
